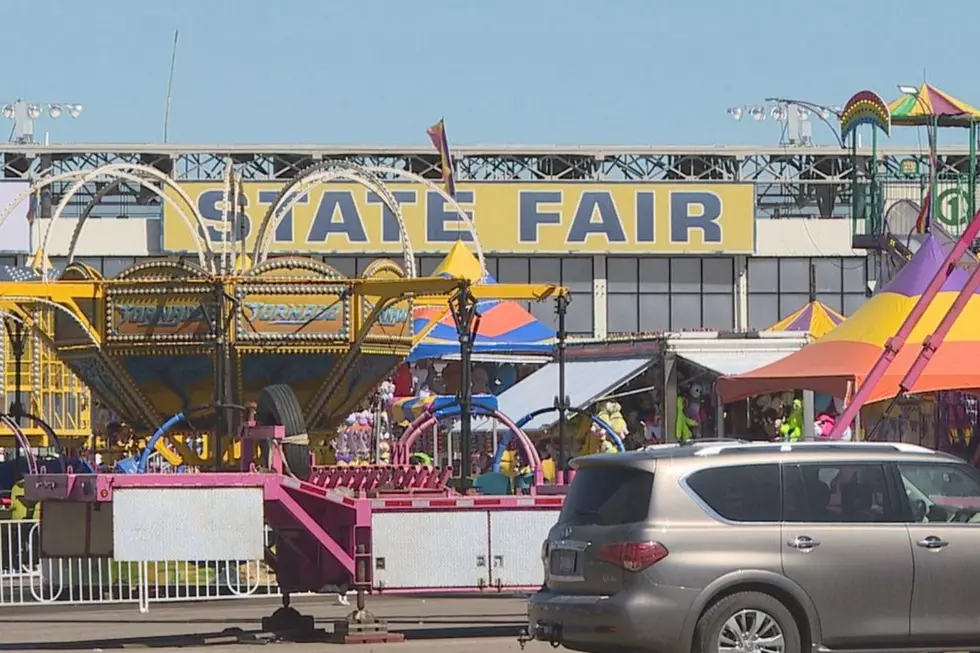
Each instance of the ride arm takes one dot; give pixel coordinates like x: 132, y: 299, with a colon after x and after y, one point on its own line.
x: 896, y: 342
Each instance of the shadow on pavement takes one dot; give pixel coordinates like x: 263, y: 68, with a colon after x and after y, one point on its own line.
x: 237, y: 635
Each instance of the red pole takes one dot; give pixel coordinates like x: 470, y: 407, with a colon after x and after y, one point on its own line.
x: 896, y: 342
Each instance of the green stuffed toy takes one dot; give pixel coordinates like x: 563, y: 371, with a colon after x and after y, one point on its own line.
x: 792, y: 427
x: 683, y: 424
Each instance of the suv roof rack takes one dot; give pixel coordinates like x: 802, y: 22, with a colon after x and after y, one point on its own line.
x: 762, y: 447
x: 690, y: 444
x: 703, y: 442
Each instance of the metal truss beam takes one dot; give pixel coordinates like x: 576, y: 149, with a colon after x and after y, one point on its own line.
x: 790, y: 182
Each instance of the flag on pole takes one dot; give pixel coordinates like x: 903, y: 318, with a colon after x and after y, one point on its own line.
x: 437, y: 133
x: 33, y: 206
x: 922, y: 220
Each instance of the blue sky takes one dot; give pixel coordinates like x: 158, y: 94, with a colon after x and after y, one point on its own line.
x: 378, y: 72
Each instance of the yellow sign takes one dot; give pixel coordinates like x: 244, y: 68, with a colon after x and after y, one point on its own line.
x: 526, y: 217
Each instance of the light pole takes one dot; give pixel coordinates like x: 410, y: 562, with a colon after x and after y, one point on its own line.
x: 795, y: 116
x: 23, y: 114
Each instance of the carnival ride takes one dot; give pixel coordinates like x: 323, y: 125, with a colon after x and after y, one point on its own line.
x: 260, y: 353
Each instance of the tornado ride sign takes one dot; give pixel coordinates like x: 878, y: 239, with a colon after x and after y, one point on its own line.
x: 526, y: 217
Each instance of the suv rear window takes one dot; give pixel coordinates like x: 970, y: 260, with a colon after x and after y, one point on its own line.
x: 742, y: 493
x: 607, y: 496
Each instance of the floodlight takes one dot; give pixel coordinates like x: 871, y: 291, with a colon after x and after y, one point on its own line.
x: 907, y: 90
x: 803, y: 113
x: 778, y: 113
x: 33, y: 111
x: 757, y: 113
x: 8, y: 111
x: 735, y: 112
x: 825, y: 114
x: 74, y: 110
x: 54, y: 110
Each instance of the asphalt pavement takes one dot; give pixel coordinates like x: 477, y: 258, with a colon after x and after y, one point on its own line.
x: 454, y: 625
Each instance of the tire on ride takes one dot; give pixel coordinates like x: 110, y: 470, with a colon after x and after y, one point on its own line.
x: 718, y: 621
x: 278, y: 405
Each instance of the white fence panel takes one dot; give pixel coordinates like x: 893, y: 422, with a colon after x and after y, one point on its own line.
x: 26, y: 578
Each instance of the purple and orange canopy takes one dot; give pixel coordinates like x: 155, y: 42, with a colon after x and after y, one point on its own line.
x: 841, y: 359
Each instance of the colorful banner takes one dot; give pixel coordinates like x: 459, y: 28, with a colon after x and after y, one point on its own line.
x: 152, y: 317
x: 527, y: 217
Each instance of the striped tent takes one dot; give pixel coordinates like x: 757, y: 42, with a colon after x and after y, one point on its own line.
x: 930, y: 105
x: 816, y: 319
x: 506, y: 328
x: 843, y: 358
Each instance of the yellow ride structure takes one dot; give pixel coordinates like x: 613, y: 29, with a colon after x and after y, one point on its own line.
x: 48, y: 388
x: 167, y: 335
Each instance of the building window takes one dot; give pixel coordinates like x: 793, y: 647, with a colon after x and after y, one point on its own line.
x: 346, y: 265
x: 780, y: 286
x: 426, y: 265
x: 573, y: 272
x: 669, y: 294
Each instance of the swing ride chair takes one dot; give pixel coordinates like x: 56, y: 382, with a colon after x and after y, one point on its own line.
x: 269, y: 350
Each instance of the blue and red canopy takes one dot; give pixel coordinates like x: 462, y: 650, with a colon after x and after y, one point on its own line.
x: 505, y: 328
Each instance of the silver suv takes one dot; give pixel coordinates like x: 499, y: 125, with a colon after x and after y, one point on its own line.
x: 765, y: 548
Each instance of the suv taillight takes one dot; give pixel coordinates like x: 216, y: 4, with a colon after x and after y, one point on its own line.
x: 632, y: 556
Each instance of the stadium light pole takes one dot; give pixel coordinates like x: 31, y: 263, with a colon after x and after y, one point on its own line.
x: 23, y: 114
x: 795, y: 116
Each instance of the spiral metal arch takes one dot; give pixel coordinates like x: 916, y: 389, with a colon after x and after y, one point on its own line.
x: 43, y: 182
x: 47, y: 180
x: 86, y: 213
x: 321, y: 173
x: 463, y: 215
x: 124, y: 171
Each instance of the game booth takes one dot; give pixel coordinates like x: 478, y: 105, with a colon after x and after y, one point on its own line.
x: 934, y: 405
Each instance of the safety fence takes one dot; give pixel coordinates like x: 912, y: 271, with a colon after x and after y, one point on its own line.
x: 27, y: 578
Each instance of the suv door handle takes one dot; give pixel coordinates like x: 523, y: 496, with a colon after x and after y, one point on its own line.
x: 803, y: 543
x: 932, y: 542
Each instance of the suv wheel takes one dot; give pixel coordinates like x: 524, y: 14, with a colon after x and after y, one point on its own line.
x: 747, y: 622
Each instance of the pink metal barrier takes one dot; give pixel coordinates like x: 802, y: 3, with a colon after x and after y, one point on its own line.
x: 375, y: 478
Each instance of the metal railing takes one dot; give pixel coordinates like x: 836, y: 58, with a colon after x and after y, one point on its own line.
x: 897, y: 200
x: 26, y: 578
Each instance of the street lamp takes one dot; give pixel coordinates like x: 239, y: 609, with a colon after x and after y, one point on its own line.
x: 23, y: 114
x: 795, y: 116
